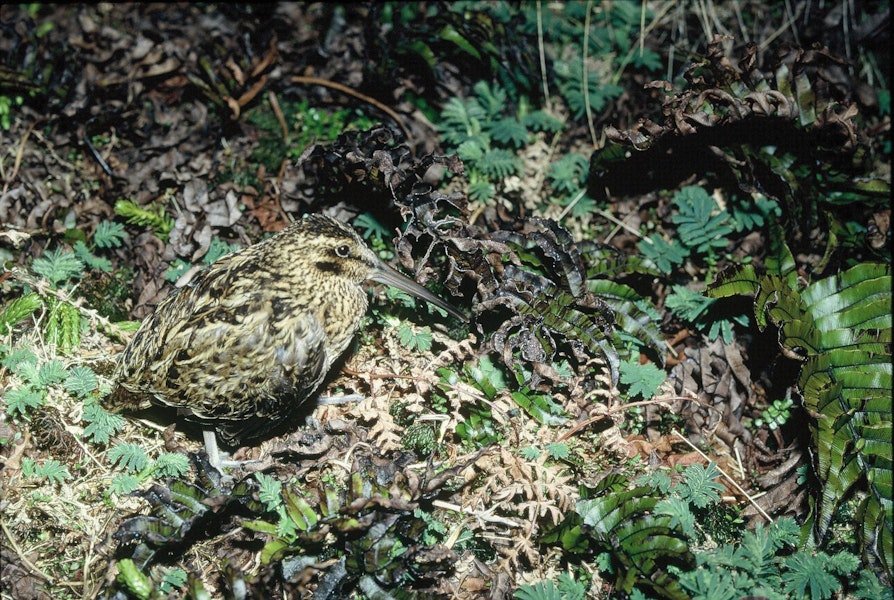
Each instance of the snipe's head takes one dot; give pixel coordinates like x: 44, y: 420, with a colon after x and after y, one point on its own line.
x: 331, y: 248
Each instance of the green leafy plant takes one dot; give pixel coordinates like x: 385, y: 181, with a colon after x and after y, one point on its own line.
x: 51, y: 470
x: 558, y: 450
x: 703, y: 313
x: 414, y: 338
x: 636, y: 319
x: 130, y: 456
x: 36, y: 379
x: 748, y: 214
x: 485, y: 136
x: 538, y: 405
x: 701, y: 225
x: 840, y: 328
x: 640, y: 541
x: 479, y: 428
x: 101, y: 425
x: 170, y: 465
x: 216, y: 250
x: 305, y: 125
x: 776, y: 415
x: 567, y: 588
x: 666, y: 254
x: 154, y: 216
x: 768, y: 563
x: 18, y: 310
x: 611, y: 44
x: 641, y: 380
x: 58, y: 266
x: 6, y: 105
x: 766, y: 130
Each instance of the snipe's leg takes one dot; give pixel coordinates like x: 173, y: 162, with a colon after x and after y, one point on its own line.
x: 211, y: 449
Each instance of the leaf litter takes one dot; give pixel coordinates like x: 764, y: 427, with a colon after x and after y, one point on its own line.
x: 126, y: 98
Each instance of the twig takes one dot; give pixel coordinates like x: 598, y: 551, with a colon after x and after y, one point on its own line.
x: 102, y: 163
x: 609, y: 411
x: 15, y: 546
x: 363, y: 97
x: 542, y: 51
x: 766, y: 43
x: 727, y: 477
x: 478, y: 514
x: 19, y: 154
x: 619, y: 223
x: 277, y: 110
x: 644, y: 32
x: 586, y: 83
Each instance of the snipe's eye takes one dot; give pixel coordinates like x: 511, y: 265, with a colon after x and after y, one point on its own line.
x: 343, y: 251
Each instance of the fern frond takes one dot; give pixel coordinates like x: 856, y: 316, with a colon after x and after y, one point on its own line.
x: 101, y: 425
x: 131, y: 457
x: 492, y: 99
x: 91, y: 260
x: 567, y: 173
x: 153, y: 216
x: 18, y: 310
x: 542, y: 121
x: 508, y: 131
x: 58, y: 266
x: 499, y: 163
x: 841, y: 326
x: 109, y: 234
x: 701, y: 225
x: 63, y: 326
x: 80, y: 381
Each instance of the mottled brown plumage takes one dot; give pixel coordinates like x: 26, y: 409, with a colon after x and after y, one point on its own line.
x: 252, y: 337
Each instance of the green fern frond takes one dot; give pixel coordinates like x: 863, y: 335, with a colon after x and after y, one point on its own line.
x: 169, y: 465
x: 640, y: 539
x: 124, y: 484
x: 701, y: 226
x: 18, y: 310
x: 808, y: 576
x: 153, y: 216
x: 51, y: 470
x: 58, y: 266
x: 641, y: 380
x: 461, y: 120
x: 493, y: 100
x: 499, y: 163
x: 472, y: 149
x: 544, y: 590
x: 21, y: 400
x: 217, y: 249
x: 80, y: 381
x: 665, y: 254
x: 481, y: 190
x: 567, y: 173
x: 51, y: 372
x: 63, y: 326
x: 91, y: 260
x: 698, y: 486
x: 109, y: 234
x: 841, y: 327
x: 540, y: 120
x: 508, y: 131
x: 131, y: 457
x: 101, y: 425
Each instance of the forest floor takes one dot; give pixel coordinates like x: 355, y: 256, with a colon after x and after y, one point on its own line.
x: 143, y: 140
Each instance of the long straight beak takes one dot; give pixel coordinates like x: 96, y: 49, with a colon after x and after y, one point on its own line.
x: 385, y: 274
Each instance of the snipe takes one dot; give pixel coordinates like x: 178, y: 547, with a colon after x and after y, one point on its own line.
x: 252, y: 337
